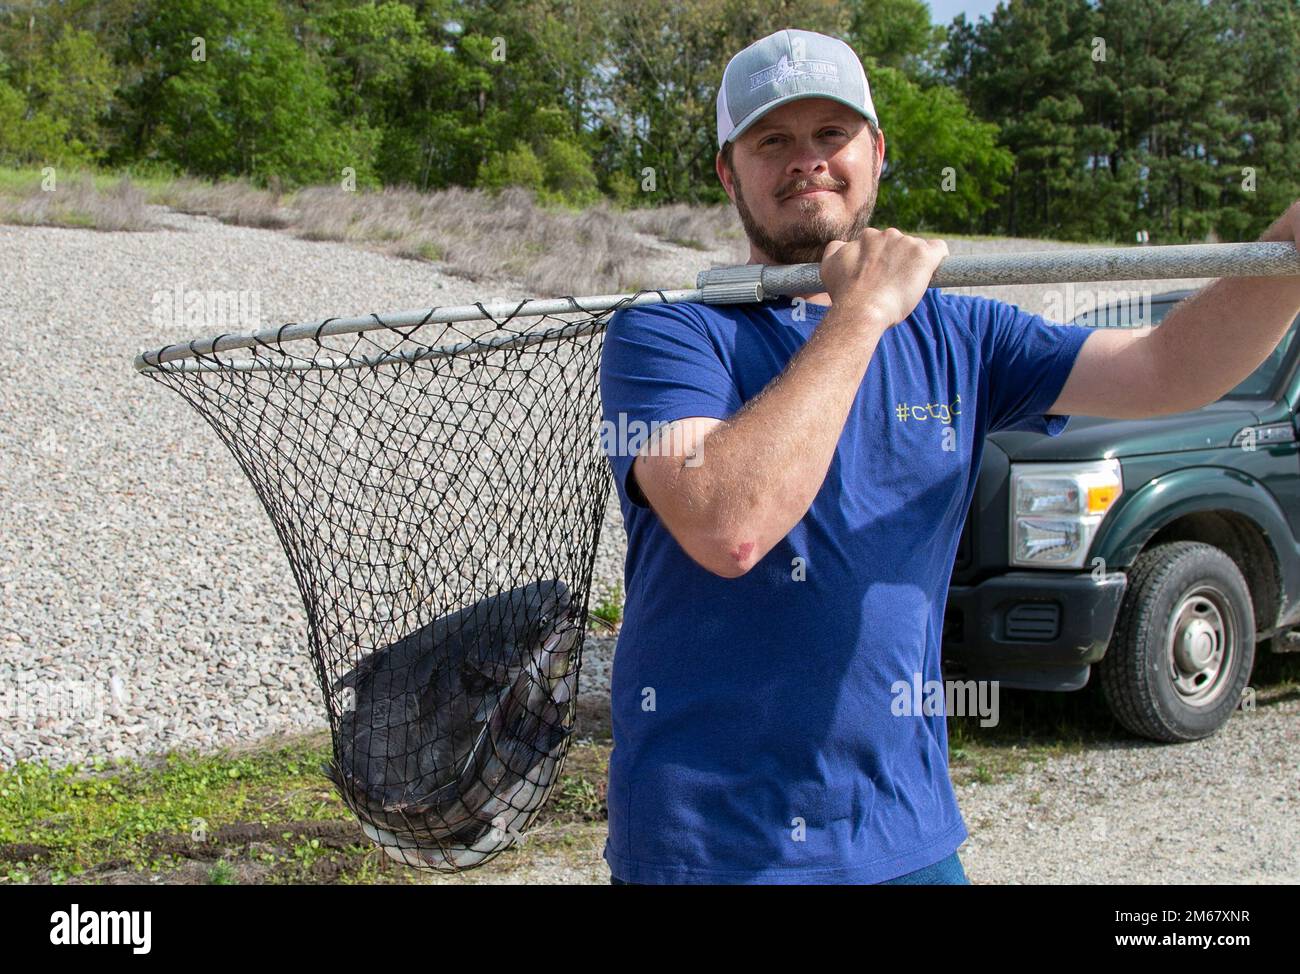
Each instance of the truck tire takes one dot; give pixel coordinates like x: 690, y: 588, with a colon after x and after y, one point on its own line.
x: 1183, y: 645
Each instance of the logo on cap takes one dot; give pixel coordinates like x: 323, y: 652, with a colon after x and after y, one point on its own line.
x: 785, y: 69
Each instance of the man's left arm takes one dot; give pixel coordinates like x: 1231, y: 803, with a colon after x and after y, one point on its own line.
x: 1205, y: 346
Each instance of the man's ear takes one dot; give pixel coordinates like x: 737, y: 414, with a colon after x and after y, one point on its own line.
x: 723, y: 175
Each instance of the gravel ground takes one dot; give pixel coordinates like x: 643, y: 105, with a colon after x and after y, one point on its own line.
x: 145, y: 600
x: 146, y: 603
x: 1221, y: 810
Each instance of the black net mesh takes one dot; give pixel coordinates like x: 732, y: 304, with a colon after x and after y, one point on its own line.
x: 439, y: 491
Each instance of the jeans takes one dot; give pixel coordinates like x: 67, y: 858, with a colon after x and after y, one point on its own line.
x: 947, y: 872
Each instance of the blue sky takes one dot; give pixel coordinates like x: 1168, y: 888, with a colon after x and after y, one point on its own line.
x: 943, y: 11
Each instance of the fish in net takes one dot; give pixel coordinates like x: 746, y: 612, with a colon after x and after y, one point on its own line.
x: 437, y: 482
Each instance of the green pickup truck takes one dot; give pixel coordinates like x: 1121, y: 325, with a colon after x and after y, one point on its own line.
x: 1158, y: 551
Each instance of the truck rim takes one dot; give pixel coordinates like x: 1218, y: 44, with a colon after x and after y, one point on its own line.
x: 1200, y: 645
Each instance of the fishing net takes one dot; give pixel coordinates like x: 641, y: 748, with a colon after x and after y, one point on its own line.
x: 439, y: 489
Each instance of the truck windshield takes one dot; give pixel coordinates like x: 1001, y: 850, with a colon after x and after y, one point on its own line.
x: 1254, y: 386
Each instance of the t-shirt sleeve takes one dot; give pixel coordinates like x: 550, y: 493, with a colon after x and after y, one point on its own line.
x: 1026, y: 360
x: 659, y: 363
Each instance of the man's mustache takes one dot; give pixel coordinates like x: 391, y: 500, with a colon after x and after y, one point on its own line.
x: 834, y: 186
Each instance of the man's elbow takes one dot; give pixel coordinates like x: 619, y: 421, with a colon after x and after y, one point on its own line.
x: 713, y: 541
x: 724, y: 555
x: 724, y: 551
x: 722, y: 540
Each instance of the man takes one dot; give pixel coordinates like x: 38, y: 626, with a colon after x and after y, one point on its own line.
x: 791, y: 542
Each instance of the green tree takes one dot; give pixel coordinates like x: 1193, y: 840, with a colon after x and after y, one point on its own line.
x: 224, y: 88
x: 32, y: 137
x: 1260, y: 176
x: 665, y: 65
x: 63, y: 78
x: 943, y: 167
x: 75, y: 83
x: 401, y: 72
x: 1172, y: 112
x: 1123, y: 116
x: 539, y: 62
x: 896, y: 34
x: 1021, y: 69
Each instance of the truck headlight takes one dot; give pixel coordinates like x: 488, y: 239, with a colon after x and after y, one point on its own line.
x: 1056, y: 509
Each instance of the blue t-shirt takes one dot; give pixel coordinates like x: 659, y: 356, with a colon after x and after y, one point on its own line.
x: 754, y: 737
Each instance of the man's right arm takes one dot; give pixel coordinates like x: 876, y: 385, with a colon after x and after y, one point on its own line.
x: 755, y: 475
x: 729, y: 491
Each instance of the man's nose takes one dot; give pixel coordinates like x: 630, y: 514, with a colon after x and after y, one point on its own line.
x: 807, y: 157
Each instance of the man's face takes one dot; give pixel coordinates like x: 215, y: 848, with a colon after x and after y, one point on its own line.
x: 814, y: 147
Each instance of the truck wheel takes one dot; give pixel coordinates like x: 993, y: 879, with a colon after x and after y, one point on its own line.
x: 1183, y: 646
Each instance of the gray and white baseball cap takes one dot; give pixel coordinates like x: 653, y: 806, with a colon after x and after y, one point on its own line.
x: 784, y: 66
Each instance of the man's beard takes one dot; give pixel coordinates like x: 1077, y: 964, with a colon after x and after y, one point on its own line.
x: 803, y: 240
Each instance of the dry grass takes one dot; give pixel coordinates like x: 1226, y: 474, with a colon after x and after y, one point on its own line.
x: 553, y: 251
x: 75, y: 201
x: 550, y: 250
x: 230, y: 201
x: 477, y: 235
x: 699, y: 227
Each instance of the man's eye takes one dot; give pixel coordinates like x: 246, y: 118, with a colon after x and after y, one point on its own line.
x: 836, y: 131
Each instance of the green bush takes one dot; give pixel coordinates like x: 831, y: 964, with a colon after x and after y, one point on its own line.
x: 569, y: 174
x: 560, y: 173
x: 517, y: 166
x: 625, y: 189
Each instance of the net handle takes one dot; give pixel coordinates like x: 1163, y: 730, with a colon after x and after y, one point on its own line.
x: 1259, y: 259
x: 746, y: 283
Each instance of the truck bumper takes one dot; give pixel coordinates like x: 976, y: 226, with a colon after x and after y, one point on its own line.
x: 1034, y: 630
